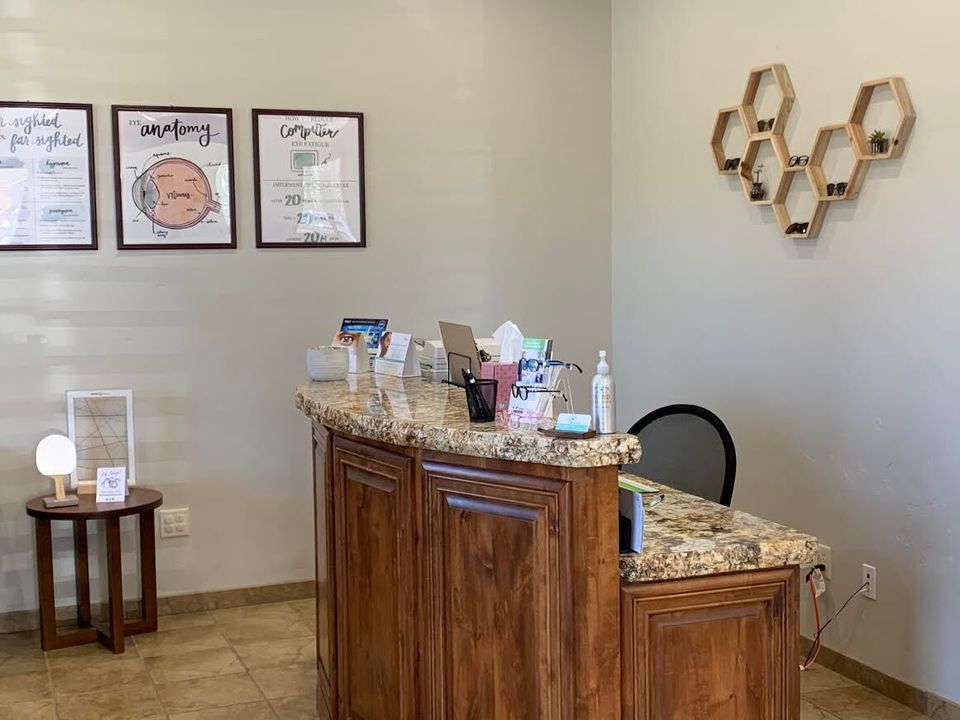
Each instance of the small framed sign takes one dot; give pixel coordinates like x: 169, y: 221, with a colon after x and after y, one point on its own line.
x: 308, y: 179
x: 47, y: 180
x: 173, y: 171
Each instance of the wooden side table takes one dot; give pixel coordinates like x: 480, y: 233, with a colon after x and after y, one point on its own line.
x: 141, y: 502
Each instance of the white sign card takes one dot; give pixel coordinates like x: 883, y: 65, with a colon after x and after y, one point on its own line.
x: 398, y: 356
x: 174, y: 177
x: 111, y: 484
x: 47, y: 186
x: 308, y: 178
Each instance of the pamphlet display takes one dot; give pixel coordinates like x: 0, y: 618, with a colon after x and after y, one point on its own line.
x: 398, y: 356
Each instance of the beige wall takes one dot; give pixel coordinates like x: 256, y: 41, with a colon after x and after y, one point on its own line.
x: 834, y: 362
x: 488, y: 186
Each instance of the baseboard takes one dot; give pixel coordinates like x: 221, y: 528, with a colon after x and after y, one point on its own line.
x: 924, y: 702
x: 22, y: 620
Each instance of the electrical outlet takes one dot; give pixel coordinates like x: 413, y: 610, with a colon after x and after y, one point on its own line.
x: 826, y: 559
x: 870, y: 580
x: 174, y: 522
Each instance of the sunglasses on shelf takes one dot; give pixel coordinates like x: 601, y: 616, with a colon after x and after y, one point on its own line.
x: 731, y: 164
x: 798, y: 228
x: 839, y: 189
x: 763, y: 125
x: 799, y: 160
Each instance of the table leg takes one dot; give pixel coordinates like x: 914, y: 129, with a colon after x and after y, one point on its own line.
x: 148, y: 572
x: 48, y: 610
x: 81, y: 560
x: 114, y: 587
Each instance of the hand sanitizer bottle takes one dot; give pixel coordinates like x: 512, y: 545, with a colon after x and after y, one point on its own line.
x: 604, y: 411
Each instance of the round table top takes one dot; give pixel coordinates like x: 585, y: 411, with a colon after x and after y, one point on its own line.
x: 139, y: 500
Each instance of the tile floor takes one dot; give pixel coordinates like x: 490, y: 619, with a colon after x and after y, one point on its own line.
x: 250, y: 663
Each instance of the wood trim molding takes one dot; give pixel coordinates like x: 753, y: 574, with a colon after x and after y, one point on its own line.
x: 923, y: 701
x: 25, y: 620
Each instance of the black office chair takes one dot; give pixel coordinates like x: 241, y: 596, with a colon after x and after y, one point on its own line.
x: 689, y: 448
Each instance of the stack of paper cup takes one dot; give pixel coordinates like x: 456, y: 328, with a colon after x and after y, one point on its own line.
x: 327, y: 363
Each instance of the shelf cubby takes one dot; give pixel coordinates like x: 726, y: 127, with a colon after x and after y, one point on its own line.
x: 784, y: 219
x: 908, y: 116
x: 719, y: 133
x: 750, y: 153
x: 818, y: 179
x: 748, y: 109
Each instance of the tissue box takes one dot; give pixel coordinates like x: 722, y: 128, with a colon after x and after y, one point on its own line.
x: 506, y: 375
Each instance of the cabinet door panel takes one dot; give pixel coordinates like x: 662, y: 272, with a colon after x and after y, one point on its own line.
x: 376, y: 583
x: 723, y: 648
x: 498, y: 567
x: 323, y: 529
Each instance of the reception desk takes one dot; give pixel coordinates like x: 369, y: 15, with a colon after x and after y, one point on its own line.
x: 471, y: 572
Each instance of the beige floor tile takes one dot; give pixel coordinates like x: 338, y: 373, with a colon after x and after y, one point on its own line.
x: 185, y: 620
x: 194, y: 665
x: 280, y: 682
x: 82, y: 654
x: 25, y: 687
x: 307, y: 610
x: 302, y: 707
x: 39, y: 710
x: 204, y: 693
x: 278, y: 628
x: 134, y: 701
x: 255, y: 613
x: 19, y: 664
x: 289, y: 651
x: 818, y: 678
x: 99, y: 674
x: 809, y: 711
x: 860, y: 703
x: 247, y: 711
x: 20, y: 644
x: 176, y: 642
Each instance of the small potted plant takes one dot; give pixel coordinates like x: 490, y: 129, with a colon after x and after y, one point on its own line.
x: 878, y: 142
x: 757, y: 192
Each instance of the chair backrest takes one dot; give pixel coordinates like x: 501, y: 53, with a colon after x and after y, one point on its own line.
x: 689, y: 448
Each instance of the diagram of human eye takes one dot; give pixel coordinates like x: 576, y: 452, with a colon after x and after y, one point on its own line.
x: 175, y: 194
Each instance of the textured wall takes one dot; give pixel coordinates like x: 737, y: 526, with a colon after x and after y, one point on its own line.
x: 834, y: 362
x: 488, y: 187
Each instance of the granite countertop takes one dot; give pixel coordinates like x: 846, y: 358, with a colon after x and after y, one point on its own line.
x: 686, y: 536
x: 418, y: 413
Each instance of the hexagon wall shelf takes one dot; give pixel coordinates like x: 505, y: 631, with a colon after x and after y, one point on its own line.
x: 854, y: 130
x: 908, y: 117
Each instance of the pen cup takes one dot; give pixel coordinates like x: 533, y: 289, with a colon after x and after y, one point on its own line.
x: 482, y: 400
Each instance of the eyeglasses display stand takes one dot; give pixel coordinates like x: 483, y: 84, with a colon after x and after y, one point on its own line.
x: 770, y: 131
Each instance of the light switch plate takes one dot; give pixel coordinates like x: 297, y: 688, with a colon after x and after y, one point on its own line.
x: 174, y: 522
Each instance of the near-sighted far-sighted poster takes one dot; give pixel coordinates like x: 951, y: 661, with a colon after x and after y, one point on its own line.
x: 174, y: 177
x: 47, y: 187
x: 308, y: 178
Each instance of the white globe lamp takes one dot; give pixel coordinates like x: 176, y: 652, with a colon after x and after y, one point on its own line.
x: 57, y: 458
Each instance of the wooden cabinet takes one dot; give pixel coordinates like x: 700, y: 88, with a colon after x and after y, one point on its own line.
x: 722, y: 647
x: 374, y: 518
x: 323, y: 545
x: 498, y: 595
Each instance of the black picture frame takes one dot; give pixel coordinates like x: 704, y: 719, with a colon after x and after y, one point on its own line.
x: 86, y: 108
x: 256, y: 114
x: 115, y: 111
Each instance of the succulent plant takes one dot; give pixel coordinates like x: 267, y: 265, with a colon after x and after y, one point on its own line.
x: 878, y: 136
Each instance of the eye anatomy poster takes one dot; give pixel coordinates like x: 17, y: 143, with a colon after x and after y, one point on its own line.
x: 174, y: 177
x: 308, y: 178
x: 47, y: 194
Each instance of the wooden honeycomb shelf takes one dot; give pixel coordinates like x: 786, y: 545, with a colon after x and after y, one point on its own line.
x: 853, y: 130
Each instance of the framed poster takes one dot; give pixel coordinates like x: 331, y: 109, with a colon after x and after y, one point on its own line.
x: 308, y: 179
x: 100, y: 423
x: 47, y: 182
x: 173, y: 170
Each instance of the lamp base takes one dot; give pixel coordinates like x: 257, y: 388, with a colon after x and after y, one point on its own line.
x: 52, y: 502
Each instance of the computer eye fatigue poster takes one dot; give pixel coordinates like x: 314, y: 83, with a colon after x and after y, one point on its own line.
x: 308, y: 178
x: 47, y: 185
x: 173, y: 169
